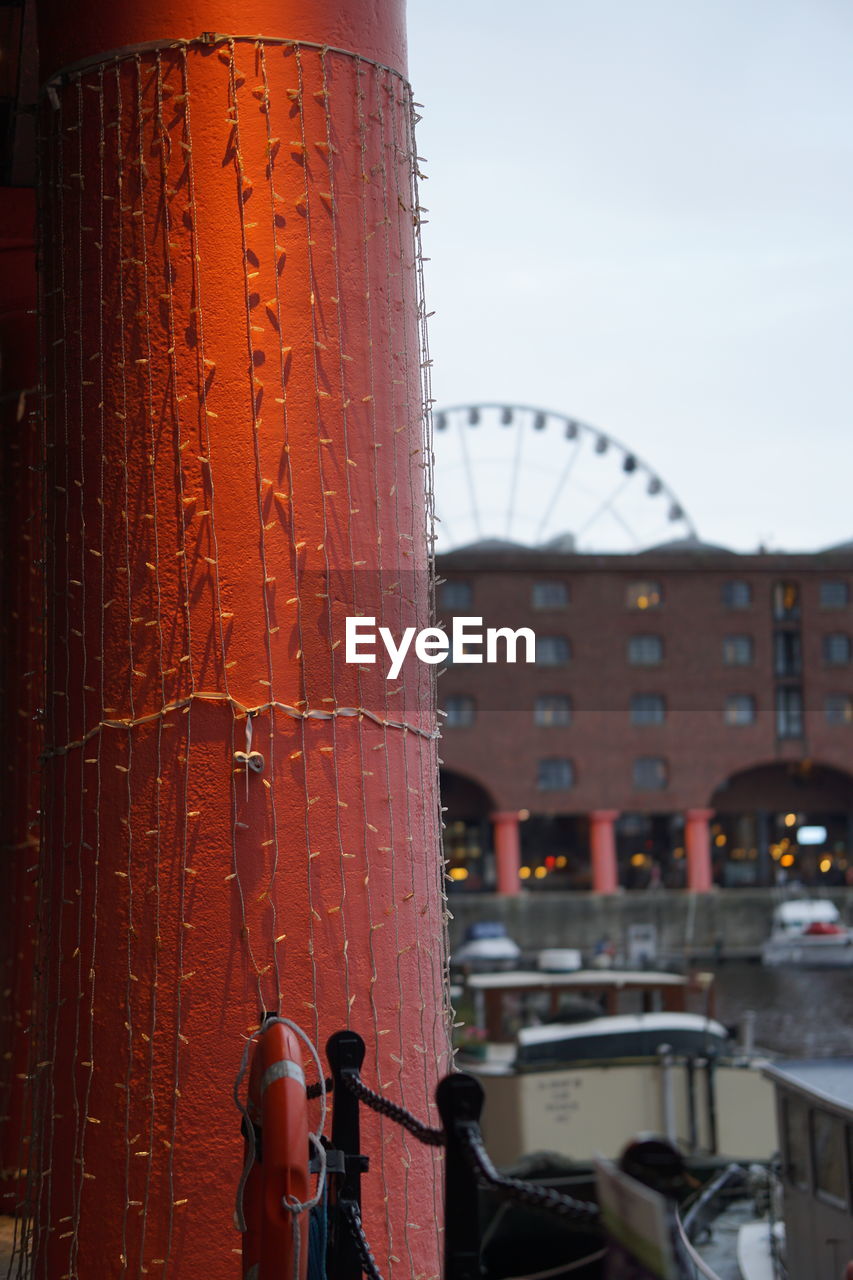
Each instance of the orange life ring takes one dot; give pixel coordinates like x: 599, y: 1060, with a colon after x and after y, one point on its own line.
x: 278, y: 1108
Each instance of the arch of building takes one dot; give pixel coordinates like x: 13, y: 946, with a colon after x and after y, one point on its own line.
x: 758, y: 812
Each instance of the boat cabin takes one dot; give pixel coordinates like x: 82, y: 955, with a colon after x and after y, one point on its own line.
x: 504, y: 1002
x: 814, y: 1104
x: 801, y: 914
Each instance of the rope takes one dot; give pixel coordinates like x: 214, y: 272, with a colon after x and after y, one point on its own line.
x: 384, y: 1106
x: 182, y: 704
x: 352, y: 1218
x: 582, y: 1212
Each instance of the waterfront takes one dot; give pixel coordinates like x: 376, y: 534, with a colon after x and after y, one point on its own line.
x: 798, y: 1012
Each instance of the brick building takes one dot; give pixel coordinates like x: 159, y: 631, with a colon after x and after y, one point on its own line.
x: 688, y: 719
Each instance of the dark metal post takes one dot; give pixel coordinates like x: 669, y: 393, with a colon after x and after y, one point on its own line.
x: 345, y: 1054
x: 460, y: 1102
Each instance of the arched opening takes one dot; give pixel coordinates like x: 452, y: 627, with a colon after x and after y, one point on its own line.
x: 789, y: 822
x: 468, y: 845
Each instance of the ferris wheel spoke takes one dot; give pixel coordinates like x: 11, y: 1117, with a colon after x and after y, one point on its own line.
x: 561, y: 484
x: 606, y: 505
x: 469, y: 477
x: 516, y: 468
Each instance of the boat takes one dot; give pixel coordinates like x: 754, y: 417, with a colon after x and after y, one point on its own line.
x: 814, y: 1100
x: 486, y: 946
x: 577, y: 1063
x: 809, y: 933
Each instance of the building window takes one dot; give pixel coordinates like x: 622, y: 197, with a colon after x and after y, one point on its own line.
x: 648, y: 708
x: 836, y: 649
x: 786, y: 601
x: 555, y: 774
x: 737, y: 594
x: 839, y: 708
x: 643, y: 595
x: 787, y: 653
x: 552, y: 710
x: 789, y: 713
x: 552, y: 651
x: 739, y: 709
x: 460, y: 711
x: 830, y: 1171
x: 456, y: 595
x: 645, y: 651
x: 650, y: 773
x: 550, y: 595
x: 737, y: 651
x: 834, y: 594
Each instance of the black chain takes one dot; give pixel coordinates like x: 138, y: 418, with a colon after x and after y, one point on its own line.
x: 316, y: 1090
x: 431, y: 1137
x: 352, y: 1217
x: 530, y: 1193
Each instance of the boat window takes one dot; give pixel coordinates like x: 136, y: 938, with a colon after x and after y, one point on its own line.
x: 830, y: 1174
x: 796, y: 1142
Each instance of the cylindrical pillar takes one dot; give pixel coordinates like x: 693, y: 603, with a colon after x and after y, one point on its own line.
x: 602, y: 848
x: 697, y: 844
x: 236, y: 818
x: 21, y: 609
x: 506, y: 831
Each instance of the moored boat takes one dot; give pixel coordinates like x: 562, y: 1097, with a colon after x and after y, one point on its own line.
x: 809, y: 933
x: 577, y: 1063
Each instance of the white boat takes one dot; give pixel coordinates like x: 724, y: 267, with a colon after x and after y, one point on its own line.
x: 578, y: 1063
x: 808, y: 932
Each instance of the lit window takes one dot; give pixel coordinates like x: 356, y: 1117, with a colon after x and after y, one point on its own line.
x: 789, y: 713
x: 461, y: 711
x: 737, y: 651
x: 737, y: 594
x: 456, y: 595
x: 739, y: 709
x: 552, y: 651
x: 836, y: 649
x: 650, y: 773
x: 552, y: 710
x: 786, y: 601
x: 830, y: 1172
x: 839, y: 708
x: 555, y: 774
x: 643, y: 595
x: 648, y: 708
x: 550, y: 595
x: 834, y: 594
x: 645, y: 651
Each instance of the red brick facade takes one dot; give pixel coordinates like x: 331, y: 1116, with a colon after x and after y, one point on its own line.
x: 699, y: 614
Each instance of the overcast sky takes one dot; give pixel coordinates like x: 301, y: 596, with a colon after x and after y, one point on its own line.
x: 641, y: 214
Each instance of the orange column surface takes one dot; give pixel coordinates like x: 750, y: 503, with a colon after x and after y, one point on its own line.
x: 507, y: 836
x: 236, y: 819
x: 21, y: 609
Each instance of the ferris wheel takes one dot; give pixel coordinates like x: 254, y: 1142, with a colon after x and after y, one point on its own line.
x: 531, y: 476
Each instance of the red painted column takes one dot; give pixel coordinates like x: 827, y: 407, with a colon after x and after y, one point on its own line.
x: 21, y: 609
x: 602, y: 846
x: 236, y: 463
x: 506, y: 828
x: 697, y: 844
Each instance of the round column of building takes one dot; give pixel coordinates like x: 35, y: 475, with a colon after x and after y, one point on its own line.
x: 697, y: 844
x: 236, y: 819
x: 602, y: 847
x: 506, y: 829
